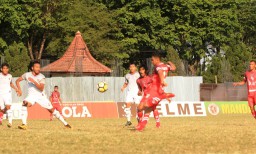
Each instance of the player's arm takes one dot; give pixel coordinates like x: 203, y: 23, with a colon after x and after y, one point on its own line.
x: 173, y: 67
x: 40, y: 85
x: 239, y: 83
x: 125, y: 84
x: 13, y: 87
x: 161, y: 76
x: 50, y: 98
x: 60, y: 100
x: 140, y: 89
x: 19, y: 92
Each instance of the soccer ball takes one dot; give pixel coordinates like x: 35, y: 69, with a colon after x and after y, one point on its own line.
x: 102, y: 87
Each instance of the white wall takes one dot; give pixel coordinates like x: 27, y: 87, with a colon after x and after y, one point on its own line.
x: 85, y: 88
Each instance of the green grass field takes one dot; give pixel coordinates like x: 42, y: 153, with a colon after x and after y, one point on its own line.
x: 220, y: 134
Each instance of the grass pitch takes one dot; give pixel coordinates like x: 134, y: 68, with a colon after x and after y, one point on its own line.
x: 212, y: 134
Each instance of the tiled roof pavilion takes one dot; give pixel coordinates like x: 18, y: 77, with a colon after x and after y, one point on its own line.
x: 77, y: 59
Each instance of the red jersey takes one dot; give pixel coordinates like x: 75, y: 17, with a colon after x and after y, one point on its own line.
x: 250, y: 79
x: 144, y: 82
x: 55, y: 97
x: 155, y: 77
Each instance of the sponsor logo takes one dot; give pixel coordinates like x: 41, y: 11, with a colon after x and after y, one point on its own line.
x: 213, y: 109
x: 228, y: 107
x: 235, y: 108
x: 76, y: 112
x: 175, y: 109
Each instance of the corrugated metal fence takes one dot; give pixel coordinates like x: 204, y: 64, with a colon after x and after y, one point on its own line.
x: 80, y: 89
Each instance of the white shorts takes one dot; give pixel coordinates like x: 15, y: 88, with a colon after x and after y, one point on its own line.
x: 133, y: 98
x: 5, y: 99
x: 42, y: 100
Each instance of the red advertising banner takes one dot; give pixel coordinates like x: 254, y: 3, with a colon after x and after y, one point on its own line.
x: 78, y: 110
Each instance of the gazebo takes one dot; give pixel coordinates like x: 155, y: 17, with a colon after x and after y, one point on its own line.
x: 77, y: 61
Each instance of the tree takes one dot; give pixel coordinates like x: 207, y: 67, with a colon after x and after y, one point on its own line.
x: 30, y: 22
x: 16, y: 56
x: 98, y: 27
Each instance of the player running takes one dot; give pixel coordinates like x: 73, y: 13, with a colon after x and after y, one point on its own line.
x: 36, y: 94
x: 6, y: 93
x: 250, y: 79
x: 56, y: 101
x: 144, y: 82
x: 155, y: 93
x: 132, y: 92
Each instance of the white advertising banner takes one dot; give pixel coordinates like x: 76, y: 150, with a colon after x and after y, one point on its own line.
x: 181, y: 109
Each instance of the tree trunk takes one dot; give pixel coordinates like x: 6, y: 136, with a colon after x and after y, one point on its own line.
x: 30, y: 45
x: 42, y: 46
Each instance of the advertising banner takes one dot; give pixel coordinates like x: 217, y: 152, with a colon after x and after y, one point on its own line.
x: 227, y: 107
x: 71, y: 110
x: 116, y: 110
x: 173, y: 109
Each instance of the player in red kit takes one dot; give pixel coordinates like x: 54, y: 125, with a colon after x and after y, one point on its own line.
x: 155, y: 93
x: 56, y: 100
x: 250, y: 79
x: 144, y: 82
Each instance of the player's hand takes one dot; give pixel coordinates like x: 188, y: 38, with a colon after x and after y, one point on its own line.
x: 19, y: 93
x: 236, y: 84
x: 140, y: 93
x: 122, y: 89
x: 31, y: 80
x: 164, y: 84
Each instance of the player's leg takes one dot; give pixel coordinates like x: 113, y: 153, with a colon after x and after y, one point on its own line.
x: 59, y: 108
x: 45, y: 103
x: 9, y: 115
x: 144, y: 120
x: 127, y: 110
x: 51, y: 116
x: 7, y: 109
x: 141, y: 107
x: 251, y: 105
x: 24, y: 113
x: 1, y: 109
x: 156, y: 116
x: 137, y: 102
x: 128, y: 113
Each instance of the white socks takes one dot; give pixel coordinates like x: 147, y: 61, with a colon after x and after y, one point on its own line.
x: 24, y: 114
x: 58, y: 116
x: 128, y: 113
x: 9, y: 115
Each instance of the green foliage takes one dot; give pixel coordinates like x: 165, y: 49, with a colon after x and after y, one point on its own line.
x: 118, y: 30
x: 97, y: 26
x: 16, y: 56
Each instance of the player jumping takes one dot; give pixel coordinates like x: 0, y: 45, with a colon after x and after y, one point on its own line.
x: 56, y: 101
x: 36, y: 94
x: 250, y: 79
x: 144, y: 82
x: 132, y: 92
x: 155, y: 93
x: 6, y: 93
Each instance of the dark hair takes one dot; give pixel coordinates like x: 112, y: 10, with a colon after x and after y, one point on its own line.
x: 4, y: 64
x: 132, y: 64
x: 56, y: 87
x: 145, y: 68
x: 254, y: 61
x: 35, y: 62
x: 32, y: 63
x: 157, y: 54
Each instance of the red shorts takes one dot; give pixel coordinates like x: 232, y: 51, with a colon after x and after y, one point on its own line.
x: 252, y: 99
x: 57, y: 107
x: 153, y: 98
